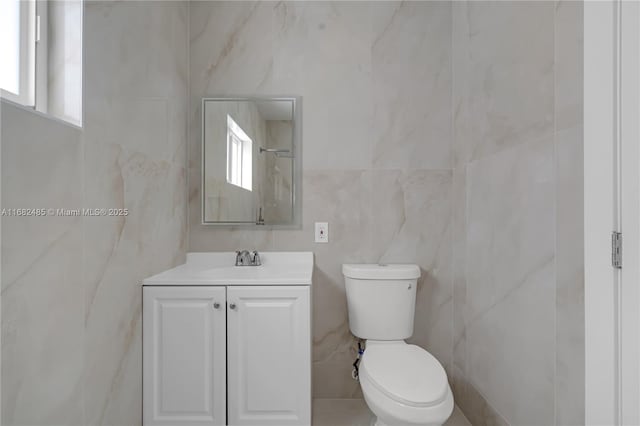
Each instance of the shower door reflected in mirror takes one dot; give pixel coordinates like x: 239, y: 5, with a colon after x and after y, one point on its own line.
x: 249, y: 161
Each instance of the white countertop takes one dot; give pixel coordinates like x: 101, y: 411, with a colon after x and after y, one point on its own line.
x: 217, y: 268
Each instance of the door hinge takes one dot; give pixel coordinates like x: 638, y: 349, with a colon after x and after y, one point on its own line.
x: 616, y: 249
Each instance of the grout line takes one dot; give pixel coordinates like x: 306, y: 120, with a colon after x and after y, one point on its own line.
x: 83, y: 193
x: 555, y: 206
x: 187, y: 123
x: 452, y: 196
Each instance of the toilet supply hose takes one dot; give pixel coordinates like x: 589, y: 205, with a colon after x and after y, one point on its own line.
x: 355, y: 373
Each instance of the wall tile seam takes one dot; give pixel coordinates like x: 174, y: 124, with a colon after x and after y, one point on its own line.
x: 189, y: 103
x: 451, y: 187
x: 466, y: 267
x: 551, y: 133
x: 555, y: 212
x: 559, y: 129
x: 83, y: 197
x: 373, y: 170
x: 462, y: 165
x: 564, y: 125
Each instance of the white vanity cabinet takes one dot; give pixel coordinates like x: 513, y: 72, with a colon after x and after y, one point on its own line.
x: 268, y: 356
x: 184, y: 355
x: 249, y: 365
x: 228, y: 345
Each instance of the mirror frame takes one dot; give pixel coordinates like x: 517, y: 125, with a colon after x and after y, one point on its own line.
x: 296, y: 184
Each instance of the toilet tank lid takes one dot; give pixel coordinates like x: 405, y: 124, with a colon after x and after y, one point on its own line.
x: 369, y: 271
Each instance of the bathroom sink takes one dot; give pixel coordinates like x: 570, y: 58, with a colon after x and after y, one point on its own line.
x: 278, y: 268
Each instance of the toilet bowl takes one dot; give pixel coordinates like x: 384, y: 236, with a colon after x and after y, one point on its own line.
x: 403, y: 384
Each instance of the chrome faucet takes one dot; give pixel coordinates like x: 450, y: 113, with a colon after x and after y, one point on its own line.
x: 244, y: 258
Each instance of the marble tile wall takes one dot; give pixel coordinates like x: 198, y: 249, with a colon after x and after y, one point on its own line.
x: 71, y: 314
x: 135, y: 157
x: 42, y: 288
x: 569, y: 171
x: 375, y: 81
x: 517, y: 209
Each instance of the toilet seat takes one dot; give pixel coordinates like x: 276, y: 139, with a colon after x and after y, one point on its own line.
x: 407, y: 374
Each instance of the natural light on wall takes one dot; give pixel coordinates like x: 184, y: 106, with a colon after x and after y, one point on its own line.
x: 41, y: 56
x: 239, y: 156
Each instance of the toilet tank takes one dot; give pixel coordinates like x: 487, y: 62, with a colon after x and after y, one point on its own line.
x: 381, y: 300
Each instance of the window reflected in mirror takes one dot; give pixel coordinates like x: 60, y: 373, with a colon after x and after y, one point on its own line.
x: 239, y: 156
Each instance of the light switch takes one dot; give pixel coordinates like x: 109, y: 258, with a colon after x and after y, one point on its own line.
x: 322, y: 232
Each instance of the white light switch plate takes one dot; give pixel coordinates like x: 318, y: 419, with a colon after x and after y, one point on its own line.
x: 322, y: 232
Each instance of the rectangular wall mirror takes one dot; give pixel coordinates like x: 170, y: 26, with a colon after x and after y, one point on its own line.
x: 250, y: 161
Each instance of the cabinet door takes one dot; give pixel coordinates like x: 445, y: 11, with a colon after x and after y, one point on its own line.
x: 269, y: 356
x: 184, y: 356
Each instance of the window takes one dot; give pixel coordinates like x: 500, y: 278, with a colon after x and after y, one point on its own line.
x: 33, y: 35
x: 18, y: 47
x: 239, y: 156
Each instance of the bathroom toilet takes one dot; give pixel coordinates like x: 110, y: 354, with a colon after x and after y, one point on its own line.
x: 403, y: 384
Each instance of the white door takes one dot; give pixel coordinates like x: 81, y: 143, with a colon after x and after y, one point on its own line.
x: 269, y: 356
x: 184, y: 356
x: 612, y: 164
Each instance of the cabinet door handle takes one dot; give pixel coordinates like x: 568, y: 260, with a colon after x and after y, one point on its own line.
x: 216, y: 305
x: 232, y: 305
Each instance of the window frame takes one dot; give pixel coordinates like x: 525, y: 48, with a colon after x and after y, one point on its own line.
x: 41, y: 64
x: 234, y: 158
x: 239, y: 165
x: 27, y: 61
